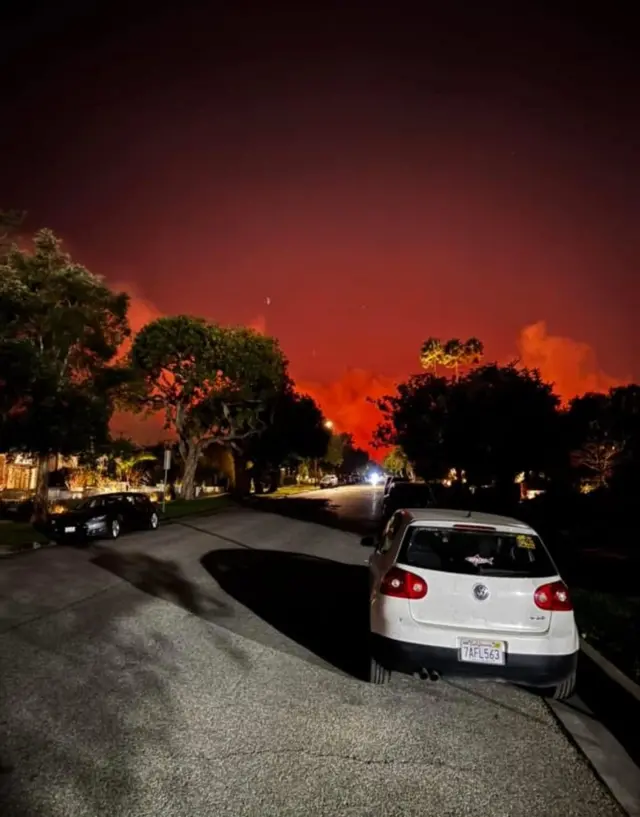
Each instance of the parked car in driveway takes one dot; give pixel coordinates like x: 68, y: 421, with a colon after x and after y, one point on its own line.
x: 472, y: 594
x: 329, y: 481
x: 104, y: 516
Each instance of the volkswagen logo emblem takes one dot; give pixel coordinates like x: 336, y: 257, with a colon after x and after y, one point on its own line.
x: 481, y: 592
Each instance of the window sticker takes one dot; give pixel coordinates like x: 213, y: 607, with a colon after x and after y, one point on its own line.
x: 476, y: 561
x: 526, y: 542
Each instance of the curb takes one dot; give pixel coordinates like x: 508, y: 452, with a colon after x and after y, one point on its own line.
x: 610, y: 670
x: 27, y: 548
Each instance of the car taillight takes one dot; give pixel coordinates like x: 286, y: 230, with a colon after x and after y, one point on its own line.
x: 553, y: 597
x: 403, y: 585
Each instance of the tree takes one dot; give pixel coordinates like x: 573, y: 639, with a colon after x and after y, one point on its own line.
x: 121, y: 459
x: 211, y: 382
x: 431, y: 354
x: 334, y: 455
x: 10, y: 222
x: 354, y: 460
x: 60, y: 329
x: 294, y: 430
x: 414, y: 420
x: 491, y: 423
x: 604, y: 430
x: 397, y: 463
x: 598, y: 459
x: 452, y: 354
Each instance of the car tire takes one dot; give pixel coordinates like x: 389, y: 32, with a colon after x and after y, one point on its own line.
x: 114, y: 528
x: 565, y: 689
x: 153, y: 521
x: 378, y: 674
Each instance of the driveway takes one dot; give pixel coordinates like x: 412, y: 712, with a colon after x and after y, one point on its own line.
x: 212, y: 668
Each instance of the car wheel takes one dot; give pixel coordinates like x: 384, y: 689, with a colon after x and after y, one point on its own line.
x: 565, y: 689
x: 153, y: 521
x: 378, y: 674
x: 114, y: 528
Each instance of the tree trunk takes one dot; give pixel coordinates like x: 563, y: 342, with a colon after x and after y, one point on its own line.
x: 41, y: 498
x: 242, y: 486
x: 189, y: 475
x: 274, y: 480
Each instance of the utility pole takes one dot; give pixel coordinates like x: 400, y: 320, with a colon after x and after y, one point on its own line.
x: 167, y: 466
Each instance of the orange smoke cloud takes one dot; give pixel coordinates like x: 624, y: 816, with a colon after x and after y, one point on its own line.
x: 258, y: 324
x: 345, y: 403
x: 569, y: 364
x: 145, y: 430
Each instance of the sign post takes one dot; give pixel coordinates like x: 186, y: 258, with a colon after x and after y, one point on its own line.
x: 167, y: 466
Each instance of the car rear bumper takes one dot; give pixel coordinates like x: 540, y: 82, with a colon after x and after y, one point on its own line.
x: 530, y: 670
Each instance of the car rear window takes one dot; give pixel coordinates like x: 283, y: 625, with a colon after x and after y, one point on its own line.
x: 476, y: 553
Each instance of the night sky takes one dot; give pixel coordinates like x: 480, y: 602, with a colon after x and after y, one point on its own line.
x: 351, y: 179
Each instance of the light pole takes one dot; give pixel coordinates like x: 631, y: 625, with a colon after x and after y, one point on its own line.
x: 328, y: 424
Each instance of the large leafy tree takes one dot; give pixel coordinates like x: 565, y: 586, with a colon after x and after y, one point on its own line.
x: 211, y: 382
x: 491, y: 423
x: 604, y: 431
x: 295, y: 430
x: 60, y: 329
x: 415, y: 419
x: 354, y: 459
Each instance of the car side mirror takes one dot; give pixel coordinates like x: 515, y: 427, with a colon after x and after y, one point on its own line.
x: 368, y: 542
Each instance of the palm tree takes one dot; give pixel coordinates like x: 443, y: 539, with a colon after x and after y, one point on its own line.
x: 431, y: 354
x: 126, y: 466
x: 472, y: 352
x: 452, y: 355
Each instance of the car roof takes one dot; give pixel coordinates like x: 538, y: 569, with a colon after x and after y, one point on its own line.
x: 434, y: 515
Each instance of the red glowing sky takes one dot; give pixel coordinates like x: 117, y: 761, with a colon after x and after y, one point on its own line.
x: 353, y: 182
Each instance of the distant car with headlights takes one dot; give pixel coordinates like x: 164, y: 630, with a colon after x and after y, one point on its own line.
x: 104, y: 516
x: 329, y: 481
x: 461, y: 593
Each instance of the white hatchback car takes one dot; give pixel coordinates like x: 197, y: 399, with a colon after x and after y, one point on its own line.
x: 465, y: 593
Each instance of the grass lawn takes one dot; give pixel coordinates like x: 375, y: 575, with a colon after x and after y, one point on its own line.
x: 15, y: 535
x: 289, y: 490
x: 611, y: 623
x: 179, y: 508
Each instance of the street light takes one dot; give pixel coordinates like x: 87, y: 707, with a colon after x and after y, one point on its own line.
x: 328, y: 424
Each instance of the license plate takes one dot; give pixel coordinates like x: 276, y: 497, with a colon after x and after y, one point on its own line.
x: 69, y: 530
x: 482, y: 652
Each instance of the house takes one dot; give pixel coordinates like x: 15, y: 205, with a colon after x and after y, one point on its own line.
x: 19, y: 472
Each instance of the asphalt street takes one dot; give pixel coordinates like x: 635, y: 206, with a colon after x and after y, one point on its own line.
x: 354, y: 508
x: 214, y: 668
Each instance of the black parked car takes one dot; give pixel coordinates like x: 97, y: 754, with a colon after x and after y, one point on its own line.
x: 105, y: 516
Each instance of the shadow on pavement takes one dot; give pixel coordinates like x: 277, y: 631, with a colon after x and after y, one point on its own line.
x: 162, y: 579
x: 320, y: 511
x: 320, y: 604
